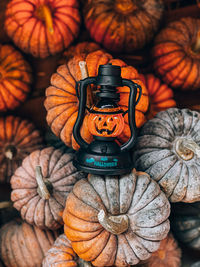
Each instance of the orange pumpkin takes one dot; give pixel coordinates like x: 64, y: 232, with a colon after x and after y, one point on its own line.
x: 42, y: 28
x: 18, y: 138
x: 123, y: 25
x: 160, y: 95
x: 176, y: 54
x: 62, y: 103
x: 15, y: 78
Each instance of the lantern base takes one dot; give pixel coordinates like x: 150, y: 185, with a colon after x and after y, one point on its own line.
x: 103, y: 158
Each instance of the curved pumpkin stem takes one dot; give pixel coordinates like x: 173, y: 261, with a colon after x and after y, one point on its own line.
x: 6, y: 204
x: 44, y: 13
x: 10, y: 152
x: 42, y: 184
x: 84, y: 74
x: 82, y: 263
x: 187, y: 148
x: 114, y: 224
x: 196, y: 47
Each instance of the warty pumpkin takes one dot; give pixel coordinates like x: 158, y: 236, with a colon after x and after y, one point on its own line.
x: 18, y: 138
x: 123, y: 25
x: 176, y: 54
x: 24, y: 245
x: 42, y: 28
x: 160, y: 95
x: 168, y: 254
x: 62, y: 103
x: 116, y: 220
x: 41, y: 185
x: 168, y: 150
x: 15, y: 78
x: 62, y: 254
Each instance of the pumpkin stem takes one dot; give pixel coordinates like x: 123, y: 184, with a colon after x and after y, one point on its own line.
x: 44, y: 13
x: 82, y: 263
x: 10, y: 152
x: 187, y: 148
x: 125, y: 6
x: 196, y: 47
x: 84, y: 74
x: 43, y: 184
x: 6, y: 204
x: 114, y: 224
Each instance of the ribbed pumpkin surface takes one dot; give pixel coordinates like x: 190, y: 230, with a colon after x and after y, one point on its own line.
x: 62, y: 103
x: 133, y: 197
x: 59, y: 176
x: 40, y: 27
x: 22, y: 244
x: 15, y: 78
x: 123, y: 25
x: 176, y: 54
x: 163, y: 150
x: 18, y: 138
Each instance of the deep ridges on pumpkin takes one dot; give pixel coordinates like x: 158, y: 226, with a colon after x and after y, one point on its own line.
x: 15, y: 78
x: 42, y: 28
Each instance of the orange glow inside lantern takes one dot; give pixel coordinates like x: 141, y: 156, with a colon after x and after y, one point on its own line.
x: 106, y: 122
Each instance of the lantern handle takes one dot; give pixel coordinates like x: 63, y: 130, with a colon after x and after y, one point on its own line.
x: 131, y: 112
x: 82, y: 96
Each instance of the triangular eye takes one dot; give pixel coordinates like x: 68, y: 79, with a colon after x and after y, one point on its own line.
x: 111, y: 119
x: 99, y: 118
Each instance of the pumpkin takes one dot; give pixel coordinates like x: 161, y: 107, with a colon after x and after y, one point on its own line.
x: 61, y: 254
x: 160, y: 95
x: 7, y: 212
x: 168, y: 150
x: 176, y: 54
x: 18, y: 138
x: 15, y: 78
x: 123, y: 25
x: 3, y: 36
x: 62, y: 103
x: 168, y: 254
x: 41, y: 185
x: 24, y: 245
x: 42, y: 28
x: 116, y: 220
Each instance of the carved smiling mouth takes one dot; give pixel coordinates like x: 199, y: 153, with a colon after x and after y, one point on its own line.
x: 105, y: 130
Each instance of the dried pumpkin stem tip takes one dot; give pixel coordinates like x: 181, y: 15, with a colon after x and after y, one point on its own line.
x: 196, y: 47
x: 10, y: 152
x: 114, y: 224
x: 82, y: 263
x: 84, y: 74
x: 186, y: 148
x: 6, y: 204
x: 44, y: 13
x: 42, y: 184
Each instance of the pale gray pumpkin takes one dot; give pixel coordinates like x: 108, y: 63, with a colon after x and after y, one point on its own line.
x: 41, y: 185
x: 115, y: 220
x: 168, y: 150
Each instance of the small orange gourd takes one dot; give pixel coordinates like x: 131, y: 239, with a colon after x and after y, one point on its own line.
x: 62, y: 103
x: 15, y: 78
x: 42, y: 28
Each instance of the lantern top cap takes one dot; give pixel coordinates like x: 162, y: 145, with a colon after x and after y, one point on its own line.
x: 109, y: 75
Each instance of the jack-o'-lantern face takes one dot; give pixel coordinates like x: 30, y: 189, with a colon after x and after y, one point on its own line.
x: 106, y: 125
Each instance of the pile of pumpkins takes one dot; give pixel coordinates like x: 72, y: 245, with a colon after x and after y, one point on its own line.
x: 70, y: 218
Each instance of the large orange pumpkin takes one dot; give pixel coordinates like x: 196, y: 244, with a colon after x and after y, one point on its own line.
x: 15, y: 78
x: 40, y: 27
x: 123, y: 25
x: 62, y: 103
x: 160, y: 95
x: 176, y: 54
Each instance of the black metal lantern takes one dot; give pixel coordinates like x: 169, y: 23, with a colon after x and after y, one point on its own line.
x: 106, y: 121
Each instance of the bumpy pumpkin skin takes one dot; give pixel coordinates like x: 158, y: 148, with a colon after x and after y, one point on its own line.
x: 62, y: 103
x: 60, y: 254
x: 133, y: 198
x: 160, y: 151
x: 42, y: 28
x: 175, y: 58
x: 15, y: 78
x: 18, y: 138
x: 60, y: 174
x: 22, y: 244
x: 123, y: 25
x: 160, y: 95
x: 168, y: 254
